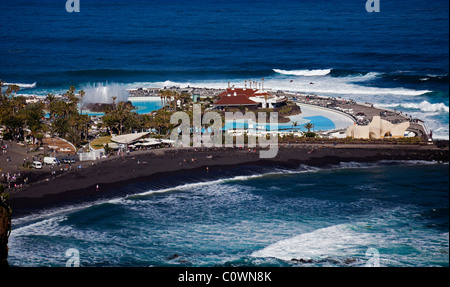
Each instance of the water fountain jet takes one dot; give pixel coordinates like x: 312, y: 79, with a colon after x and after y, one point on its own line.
x: 101, y: 93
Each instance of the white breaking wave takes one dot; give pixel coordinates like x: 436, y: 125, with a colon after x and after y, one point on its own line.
x: 302, y: 169
x: 432, y: 114
x: 52, y: 213
x: 305, y: 73
x: 424, y: 106
x: 188, y: 186
x: 23, y: 86
x: 363, y: 78
x: 434, y: 122
x: 62, y: 211
x: 46, y: 227
x: 354, y: 240
x: 309, y: 82
x: 334, y: 241
x: 343, y: 86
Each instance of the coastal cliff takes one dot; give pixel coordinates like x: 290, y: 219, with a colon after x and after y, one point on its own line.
x: 5, y: 228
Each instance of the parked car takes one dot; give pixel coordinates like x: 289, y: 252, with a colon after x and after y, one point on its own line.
x: 68, y: 160
x: 36, y: 165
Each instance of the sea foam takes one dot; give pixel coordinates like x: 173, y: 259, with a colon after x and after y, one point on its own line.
x: 22, y: 86
x: 333, y: 241
x: 345, y: 86
x: 424, y: 106
x: 305, y: 73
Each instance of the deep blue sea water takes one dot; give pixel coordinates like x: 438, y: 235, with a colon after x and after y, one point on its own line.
x: 398, y: 58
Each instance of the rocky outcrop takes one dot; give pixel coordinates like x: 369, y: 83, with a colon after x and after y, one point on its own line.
x: 102, y: 107
x: 5, y: 228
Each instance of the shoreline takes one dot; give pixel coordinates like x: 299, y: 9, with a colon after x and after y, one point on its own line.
x: 164, y: 168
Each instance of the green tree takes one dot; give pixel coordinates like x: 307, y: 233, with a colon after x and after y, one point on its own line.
x: 66, y: 120
x: 149, y: 122
x: 50, y: 100
x: 121, y: 118
x: 309, y: 126
x: 81, y: 93
x: 60, y: 126
x: 114, y: 98
x: 12, y: 114
x: 294, y: 125
x: 34, y: 113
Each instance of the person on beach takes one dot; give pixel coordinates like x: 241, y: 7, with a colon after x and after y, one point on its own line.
x: 96, y: 187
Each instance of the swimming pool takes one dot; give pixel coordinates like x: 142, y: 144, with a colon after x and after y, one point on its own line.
x: 320, y: 123
x: 322, y: 119
x: 143, y: 106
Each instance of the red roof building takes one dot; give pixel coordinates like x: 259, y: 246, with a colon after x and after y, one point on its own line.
x: 237, y: 97
x: 249, y: 97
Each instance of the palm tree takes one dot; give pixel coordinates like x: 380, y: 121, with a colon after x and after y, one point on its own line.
x: 19, y: 103
x: 176, y: 97
x: 86, y: 119
x: 185, y: 97
x: 161, y: 95
x: 82, y: 93
x: 121, y: 115
x: 117, y: 117
x: 169, y: 99
x: 114, y: 98
x: 167, y: 94
x: 72, y: 107
x: 309, y: 126
x: 294, y: 124
x: 50, y: 98
x: 12, y: 89
x: 34, y: 114
x: 1, y: 86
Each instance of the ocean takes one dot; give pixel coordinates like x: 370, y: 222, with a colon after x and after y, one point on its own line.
x: 331, y: 216
x: 397, y: 59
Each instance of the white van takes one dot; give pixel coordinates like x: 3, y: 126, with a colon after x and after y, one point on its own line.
x: 36, y: 165
x: 51, y: 160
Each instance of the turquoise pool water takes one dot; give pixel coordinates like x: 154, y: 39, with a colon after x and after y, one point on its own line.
x: 146, y: 107
x: 142, y: 107
x: 321, y: 123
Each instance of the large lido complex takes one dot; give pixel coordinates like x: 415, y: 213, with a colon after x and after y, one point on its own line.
x: 298, y: 115
x: 330, y: 117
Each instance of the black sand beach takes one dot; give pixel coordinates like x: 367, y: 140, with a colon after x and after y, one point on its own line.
x: 167, y: 164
